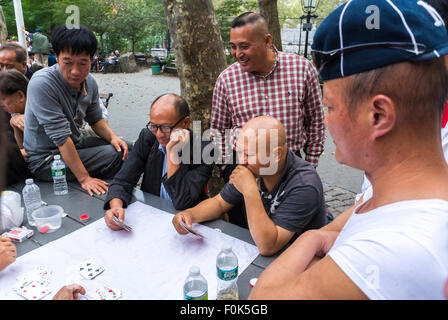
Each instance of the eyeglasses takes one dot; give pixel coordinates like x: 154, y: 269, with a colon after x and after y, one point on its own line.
x: 321, y: 58
x: 6, y: 66
x: 164, y: 128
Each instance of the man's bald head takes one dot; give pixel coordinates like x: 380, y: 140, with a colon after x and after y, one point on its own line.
x: 168, y: 112
x: 172, y: 101
x: 262, y: 145
x: 265, y: 128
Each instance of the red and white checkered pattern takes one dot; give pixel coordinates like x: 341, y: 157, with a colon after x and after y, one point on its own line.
x: 290, y: 92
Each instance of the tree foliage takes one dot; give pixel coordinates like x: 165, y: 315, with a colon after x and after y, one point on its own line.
x: 140, y: 24
x: 123, y: 24
x: 227, y: 10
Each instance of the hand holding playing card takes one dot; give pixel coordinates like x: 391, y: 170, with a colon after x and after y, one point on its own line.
x: 108, y: 217
x: 183, y: 217
x: 70, y: 292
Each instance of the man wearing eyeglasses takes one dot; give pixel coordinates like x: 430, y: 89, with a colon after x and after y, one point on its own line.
x: 13, y: 56
x: 159, y: 153
x: 385, y: 90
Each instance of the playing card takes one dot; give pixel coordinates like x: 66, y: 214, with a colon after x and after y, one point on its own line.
x: 192, y: 231
x: 105, y: 292
x: 108, y: 293
x: 34, y: 291
x: 121, y: 224
x: 89, y: 269
x: 40, y: 275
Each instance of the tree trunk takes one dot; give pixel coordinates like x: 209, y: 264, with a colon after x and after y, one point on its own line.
x: 268, y: 8
x: 200, y: 58
x: 101, y: 43
x: 3, y: 29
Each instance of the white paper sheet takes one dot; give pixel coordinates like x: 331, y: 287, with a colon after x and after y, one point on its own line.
x: 151, y: 262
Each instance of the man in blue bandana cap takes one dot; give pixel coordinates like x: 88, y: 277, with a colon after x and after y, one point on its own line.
x: 385, y: 89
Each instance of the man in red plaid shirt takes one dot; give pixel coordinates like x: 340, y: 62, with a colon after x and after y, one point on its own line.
x: 265, y: 81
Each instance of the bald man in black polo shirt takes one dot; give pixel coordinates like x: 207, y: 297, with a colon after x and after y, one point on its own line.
x: 282, y: 193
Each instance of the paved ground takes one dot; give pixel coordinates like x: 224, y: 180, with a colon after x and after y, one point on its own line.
x: 129, y: 112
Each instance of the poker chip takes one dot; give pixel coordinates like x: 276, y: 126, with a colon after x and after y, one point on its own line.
x: 44, y: 229
x: 84, y: 217
x: 253, y: 281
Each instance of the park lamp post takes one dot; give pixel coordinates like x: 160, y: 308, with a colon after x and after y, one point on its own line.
x: 308, y: 6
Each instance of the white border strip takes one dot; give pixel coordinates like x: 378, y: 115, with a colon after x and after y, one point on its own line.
x: 341, y: 36
x: 405, y: 25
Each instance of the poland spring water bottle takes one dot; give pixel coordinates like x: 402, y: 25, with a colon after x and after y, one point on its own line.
x: 32, y: 199
x: 58, y: 172
x: 195, y: 286
x: 227, y: 271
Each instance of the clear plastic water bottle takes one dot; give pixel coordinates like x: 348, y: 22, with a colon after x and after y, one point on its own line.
x: 58, y: 172
x: 32, y: 199
x: 227, y: 272
x: 195, y: 286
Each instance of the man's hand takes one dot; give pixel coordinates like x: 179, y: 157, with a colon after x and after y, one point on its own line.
x: 18, y: 122
x: 243, y: 180
x: 446, y: 289
x: 92, y: 185
x: 8, y: 252
x: 179, y: 138
x: 120, y: 145
x: 117, y: 212
x: 183, y: 216
x: 70, y: 292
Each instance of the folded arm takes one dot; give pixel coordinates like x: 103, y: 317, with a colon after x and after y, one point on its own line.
x: 304, y: 272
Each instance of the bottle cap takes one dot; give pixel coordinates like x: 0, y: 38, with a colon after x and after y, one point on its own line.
x: 44, y: 229
x: 226, y: 247
x: 29, y: 181
x: 194, y: 270
x: 84, y: 217
x: 57, y: 157
x: 253, y: 281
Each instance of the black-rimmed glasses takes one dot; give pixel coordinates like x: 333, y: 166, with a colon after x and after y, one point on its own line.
x: 6, y: 66
x: 163, y: 128
x: 321, y: 58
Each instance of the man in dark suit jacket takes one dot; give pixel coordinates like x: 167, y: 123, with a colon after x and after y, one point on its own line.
x: 156, y: 154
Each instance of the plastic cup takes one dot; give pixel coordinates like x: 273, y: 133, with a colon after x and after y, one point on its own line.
x: 48, y: 218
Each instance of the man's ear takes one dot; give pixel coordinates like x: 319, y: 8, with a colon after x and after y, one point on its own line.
x: 268, y: 40
x: 383, y: 115
x: 186, y: 122
x: 21, y: 95
x: 277, y: 153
